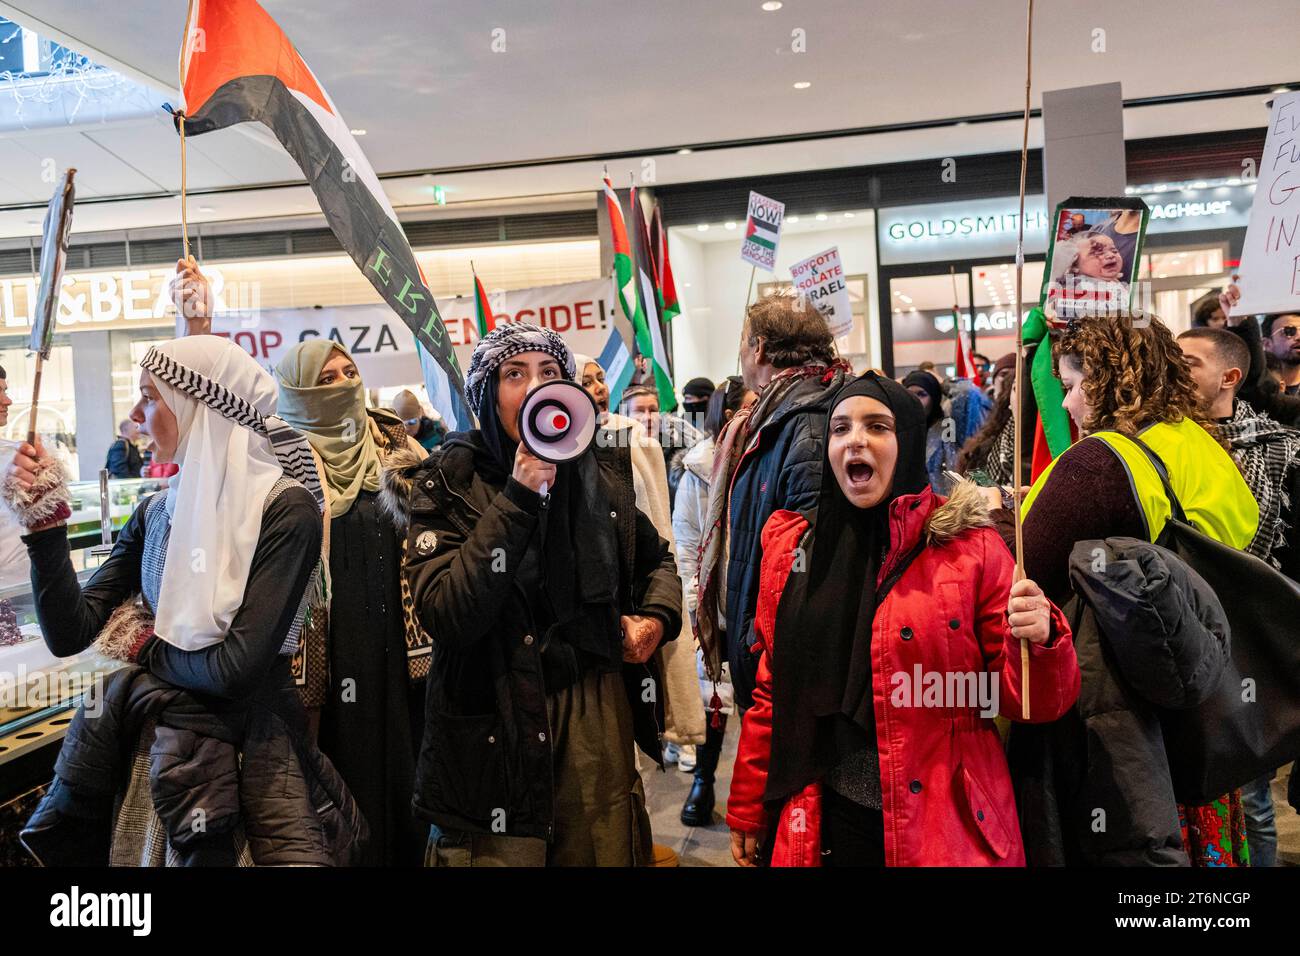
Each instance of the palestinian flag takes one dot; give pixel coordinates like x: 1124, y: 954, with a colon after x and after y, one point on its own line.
x: 237, y: 66
x: 1053, y: 431
x: 482, y: 311
x: 759, y: 234
x: 671, y: 308
x: 627, y: 277
x: 652, y: 302
x: 617, y: 363
x: 964, y: 361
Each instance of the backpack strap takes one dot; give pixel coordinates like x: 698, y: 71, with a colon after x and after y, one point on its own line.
x: 1158, y: 464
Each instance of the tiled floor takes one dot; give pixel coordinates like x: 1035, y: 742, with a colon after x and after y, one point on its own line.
x: 710, y: 846
x: 696, y: 846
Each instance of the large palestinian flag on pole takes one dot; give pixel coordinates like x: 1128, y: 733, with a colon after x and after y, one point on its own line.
x: 625, y: 280
x: 652, y: 300
x: 237, y: 66
x: 663, y: 268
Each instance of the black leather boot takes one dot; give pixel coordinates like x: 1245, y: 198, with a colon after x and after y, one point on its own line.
x: 697, y: 811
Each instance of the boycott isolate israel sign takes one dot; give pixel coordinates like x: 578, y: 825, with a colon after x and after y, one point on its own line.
x: 762, y: 232
x: 383, y: 347
x: 820, y: 280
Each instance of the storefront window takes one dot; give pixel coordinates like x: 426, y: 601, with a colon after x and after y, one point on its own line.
x: 921, y: 313
x: 108, y: 320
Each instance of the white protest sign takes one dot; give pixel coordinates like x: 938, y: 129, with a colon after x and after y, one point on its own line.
x: 1270, y: 256
x: 820, y: 279
x: 762, y: 231
x: 383, y: 347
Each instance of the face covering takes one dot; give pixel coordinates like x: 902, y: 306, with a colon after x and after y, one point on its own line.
x: 334, y: 419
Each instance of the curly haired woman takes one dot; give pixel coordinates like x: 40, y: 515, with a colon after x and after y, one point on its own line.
x: 1125, y: 378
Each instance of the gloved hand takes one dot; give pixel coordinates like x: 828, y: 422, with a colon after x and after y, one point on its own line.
x: 35, y: 488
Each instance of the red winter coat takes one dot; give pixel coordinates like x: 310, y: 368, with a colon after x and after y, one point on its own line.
x: 946, y: 790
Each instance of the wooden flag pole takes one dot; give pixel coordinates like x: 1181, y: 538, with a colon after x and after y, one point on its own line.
x: 1019, y: 380
x: 956, y: 308
x: 36, y: 397
x: 185, y: 227
x: 180, y: 125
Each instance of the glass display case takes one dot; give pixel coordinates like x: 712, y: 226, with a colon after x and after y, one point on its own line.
x: 35, y: 686
x: 123, y: 495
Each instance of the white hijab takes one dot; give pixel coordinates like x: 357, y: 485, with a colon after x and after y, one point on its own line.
x: 223, y: 402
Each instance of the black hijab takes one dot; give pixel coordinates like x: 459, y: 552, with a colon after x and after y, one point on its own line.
x: 821, y: 683
x: 932, y: 388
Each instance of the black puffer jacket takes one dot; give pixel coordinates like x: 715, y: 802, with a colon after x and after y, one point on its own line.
x: 1094, y: 788
x: 487, y: 741
x: 239, y: 762
x: 782, y: 468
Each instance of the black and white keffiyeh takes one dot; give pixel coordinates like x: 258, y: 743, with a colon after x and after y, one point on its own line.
x: 1266, y: 451
x: 232, y: 451
x: 506, y: 341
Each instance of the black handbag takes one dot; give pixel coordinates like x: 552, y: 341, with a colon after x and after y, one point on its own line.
x: 1251, y: 725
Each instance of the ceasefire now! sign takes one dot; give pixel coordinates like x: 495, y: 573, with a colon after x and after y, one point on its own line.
x: 762, y: 232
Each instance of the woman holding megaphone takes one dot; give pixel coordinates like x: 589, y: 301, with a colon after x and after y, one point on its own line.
x: 546, y: 593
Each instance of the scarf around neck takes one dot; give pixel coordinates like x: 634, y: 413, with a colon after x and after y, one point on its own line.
x: 736, y: 438
x: 1266, y: 451
x: 334, y: 419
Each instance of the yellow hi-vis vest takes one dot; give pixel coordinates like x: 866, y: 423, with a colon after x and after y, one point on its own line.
x: 1214, y: 496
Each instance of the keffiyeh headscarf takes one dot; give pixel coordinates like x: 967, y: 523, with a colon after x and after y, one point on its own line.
x: 1266, y: 451
x: 504, y: 342
x: 231, y: 451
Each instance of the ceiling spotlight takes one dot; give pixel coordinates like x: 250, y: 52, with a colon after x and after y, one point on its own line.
x: 771, y: 6
x: 703, y: 227
x: 684, y: 151
x: 205, y: 209
x: 821, y: 217
x: 730, y: 224
x: 802, y: 85
x: 849, y: 215
x: 1281, y: 89
x: 792, y: 219
x: 357, y: 132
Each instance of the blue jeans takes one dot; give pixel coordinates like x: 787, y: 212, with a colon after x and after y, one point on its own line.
x: 1261, y: 826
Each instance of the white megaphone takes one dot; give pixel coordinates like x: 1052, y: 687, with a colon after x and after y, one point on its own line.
x: 557, y: 422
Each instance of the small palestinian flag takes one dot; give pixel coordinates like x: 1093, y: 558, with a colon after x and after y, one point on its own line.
x: 482, y: 310
x: 237, y: 66
x: 760, y: 235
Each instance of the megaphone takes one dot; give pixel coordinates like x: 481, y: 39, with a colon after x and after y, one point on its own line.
x: 557, y: 422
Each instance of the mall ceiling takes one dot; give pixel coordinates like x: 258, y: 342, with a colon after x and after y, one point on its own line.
x: 581, y: 81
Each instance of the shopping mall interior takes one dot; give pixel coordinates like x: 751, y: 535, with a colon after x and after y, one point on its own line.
x: 411, y: 179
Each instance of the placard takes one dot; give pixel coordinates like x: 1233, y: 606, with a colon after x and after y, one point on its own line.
x: 820, y: 279
x: 762, y: 232
x: 1270, y: 257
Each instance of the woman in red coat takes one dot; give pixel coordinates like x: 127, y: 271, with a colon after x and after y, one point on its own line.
x: 871, y: 739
